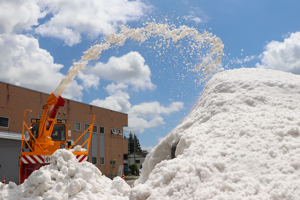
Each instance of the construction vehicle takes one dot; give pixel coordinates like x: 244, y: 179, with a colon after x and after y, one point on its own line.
x: 44, y: 136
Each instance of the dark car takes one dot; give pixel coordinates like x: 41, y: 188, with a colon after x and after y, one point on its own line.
x: 127, y: 171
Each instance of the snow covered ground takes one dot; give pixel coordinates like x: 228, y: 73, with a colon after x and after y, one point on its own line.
x: 65, y: 178
x: 240, y: 141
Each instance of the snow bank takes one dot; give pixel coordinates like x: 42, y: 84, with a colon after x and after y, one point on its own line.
x: 240, y: 141
x: 65, y: 178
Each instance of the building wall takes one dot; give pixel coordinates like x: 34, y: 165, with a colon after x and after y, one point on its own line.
x: 14, y: 100
x: 9, y: 159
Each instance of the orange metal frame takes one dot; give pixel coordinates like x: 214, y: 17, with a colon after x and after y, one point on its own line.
x: 44, y: 152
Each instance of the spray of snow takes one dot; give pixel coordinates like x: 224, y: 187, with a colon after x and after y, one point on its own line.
x: 211, y: 60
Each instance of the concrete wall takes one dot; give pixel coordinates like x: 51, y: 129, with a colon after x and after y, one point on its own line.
x: 9, y: 159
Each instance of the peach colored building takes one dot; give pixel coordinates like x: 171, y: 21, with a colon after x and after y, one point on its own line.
x: 107, y: 139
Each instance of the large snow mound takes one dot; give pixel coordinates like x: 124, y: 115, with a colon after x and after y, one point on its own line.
x: 65, y: 178
x: 240, y: 141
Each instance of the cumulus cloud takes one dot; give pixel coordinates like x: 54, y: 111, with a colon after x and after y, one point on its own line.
x: 154, y: 109
x: 141, y: 116
x: 149, y: 148
x: 18, y: 15
x: 129, y: 69
x: 23, y: 63
x: 71, y: 18
x: 148, y: 115
x: 113, y: 88
x: 138, y: 124
x: 119, y: 101
x: 283, y: 56
x: 89, y: 80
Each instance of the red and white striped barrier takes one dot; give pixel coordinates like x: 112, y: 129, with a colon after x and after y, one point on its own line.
x: 81, y: 158
x: 3, y: 181
x: 33, y: 159
x: 36, y: 159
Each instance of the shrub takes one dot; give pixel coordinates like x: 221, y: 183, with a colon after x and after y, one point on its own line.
x: 134, y: 169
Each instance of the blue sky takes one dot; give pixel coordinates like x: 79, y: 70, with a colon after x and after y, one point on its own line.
x: 40, y: 40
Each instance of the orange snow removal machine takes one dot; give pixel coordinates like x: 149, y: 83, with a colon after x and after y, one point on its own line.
x: 44, y: 136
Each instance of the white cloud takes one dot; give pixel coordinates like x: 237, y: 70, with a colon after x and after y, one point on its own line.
x: 193, y: 15
x: 113, y: 88
x: 193, y: 18
x: 71, y: 18
x: 129, y: 69
x: 149, y: 148
x: 283, y: 56
x: 244, y: 60
x: 140, y: 117
x: 18, y: 15
x: 154, y: 109
x: 138, y: 124
x: 23, y: 63
x: 119, y: 101
x: 89, y: 80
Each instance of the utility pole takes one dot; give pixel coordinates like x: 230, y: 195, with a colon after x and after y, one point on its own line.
x: 134, y: 150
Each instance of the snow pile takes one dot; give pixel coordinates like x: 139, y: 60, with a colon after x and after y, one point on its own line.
x: 240, y: 141
x: 77, y: 148
x: 65, y: 178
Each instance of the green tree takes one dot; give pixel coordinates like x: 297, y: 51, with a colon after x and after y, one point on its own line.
x: 133, y: 144
x: 130, y: 143
x: 137, y: 144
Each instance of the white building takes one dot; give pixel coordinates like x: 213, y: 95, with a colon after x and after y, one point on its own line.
x: 137, y: 158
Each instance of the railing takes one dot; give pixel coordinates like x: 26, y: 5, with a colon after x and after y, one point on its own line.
x: 90, y: 128
x: 29, y: 131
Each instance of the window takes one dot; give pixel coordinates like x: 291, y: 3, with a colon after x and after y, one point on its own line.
x: 101, y: 161
x: 113, y: 131
x: 101, y: 148
x: 94, y: 160
x: 4, y: 121
x: 35, y: 130
x: 39, y: 116
x: 86, y: 126
x: 137, y: 161
x: 101, y: 129
x: 58, y: 133
x: 77, y: 126
x: 94, y: 147
x: 95, y: 129
x: 119, y: 131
